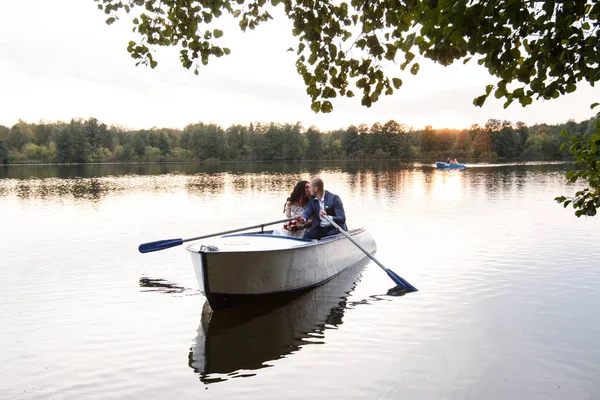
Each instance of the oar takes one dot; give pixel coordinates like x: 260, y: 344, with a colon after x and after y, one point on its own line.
x: 396, y: 278
x: 168, y: 243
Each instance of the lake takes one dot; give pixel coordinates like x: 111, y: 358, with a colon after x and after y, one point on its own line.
x: 507, y: 306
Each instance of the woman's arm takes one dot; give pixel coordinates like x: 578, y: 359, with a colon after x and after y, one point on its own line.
x: 288, y: 210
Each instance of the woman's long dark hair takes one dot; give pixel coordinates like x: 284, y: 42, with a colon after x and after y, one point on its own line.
x: 297, y: 195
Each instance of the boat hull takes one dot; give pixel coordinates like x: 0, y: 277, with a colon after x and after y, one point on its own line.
x: 228, y: 278
x: 443, y: 165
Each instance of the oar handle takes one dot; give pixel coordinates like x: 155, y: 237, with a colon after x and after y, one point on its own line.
x: 159, y: 245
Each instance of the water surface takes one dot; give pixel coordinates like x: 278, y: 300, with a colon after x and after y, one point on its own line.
x: 507, y: 303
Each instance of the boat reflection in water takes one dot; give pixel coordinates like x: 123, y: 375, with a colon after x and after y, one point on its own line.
x: 237, y: 341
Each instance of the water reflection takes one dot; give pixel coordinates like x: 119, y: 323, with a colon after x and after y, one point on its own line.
x: 238, y: 341
x: 359, y: 179
x: 160, y: 285
x: 351, y: 167
x: 89, y: 189
x: 204, y: 183
x: 105, y: 170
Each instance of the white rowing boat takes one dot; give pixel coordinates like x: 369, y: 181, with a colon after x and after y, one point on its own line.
x: 232, y: 269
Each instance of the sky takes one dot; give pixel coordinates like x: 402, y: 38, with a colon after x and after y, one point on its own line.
x: 59, y: 60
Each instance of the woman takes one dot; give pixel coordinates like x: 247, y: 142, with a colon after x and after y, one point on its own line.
x: 295, y: 206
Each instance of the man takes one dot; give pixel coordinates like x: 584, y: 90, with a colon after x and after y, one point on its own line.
x: 322, y: 203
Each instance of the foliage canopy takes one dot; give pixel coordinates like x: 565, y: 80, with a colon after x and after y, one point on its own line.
x: 534, y: 49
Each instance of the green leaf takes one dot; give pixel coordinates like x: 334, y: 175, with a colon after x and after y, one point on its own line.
x: 218, y: 33
x: 410, y: 40
x: 226, y: 50
x: 366, y: 101
x: 518, y: 93
x: 594, y: 105
x: 574, y: 139
x: 326, y: 107
x: 397, y: 82
x: 562, y: 146
x: 479, y: 101
x: 110, y: 21
x: 526, y: 100
x: 414, y: 69
x: 316, y: 106
x: 408, y: 56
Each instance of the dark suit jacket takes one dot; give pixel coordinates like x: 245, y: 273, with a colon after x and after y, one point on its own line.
x: 333, y: 207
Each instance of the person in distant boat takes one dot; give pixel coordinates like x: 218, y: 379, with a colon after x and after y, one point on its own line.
x: 322, y: 203
x: 293, y: 207
x: 448, y: 160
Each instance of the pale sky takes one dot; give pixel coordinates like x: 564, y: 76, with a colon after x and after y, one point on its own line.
x: 59, y: 60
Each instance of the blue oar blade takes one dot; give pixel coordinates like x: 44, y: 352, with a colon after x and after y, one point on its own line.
x: 401, y: 281
x: 159, y: 245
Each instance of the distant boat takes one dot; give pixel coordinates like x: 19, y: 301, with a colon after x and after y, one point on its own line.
x: 444, y: 165
x: 233, y: 269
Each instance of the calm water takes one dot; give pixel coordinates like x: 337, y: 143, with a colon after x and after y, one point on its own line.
x: 507, y: 309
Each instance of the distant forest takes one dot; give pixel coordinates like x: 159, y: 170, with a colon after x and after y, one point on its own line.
x: 84, y: 141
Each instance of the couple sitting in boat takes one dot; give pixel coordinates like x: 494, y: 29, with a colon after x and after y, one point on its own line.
x: 308, y: 203
x: 449, y: 161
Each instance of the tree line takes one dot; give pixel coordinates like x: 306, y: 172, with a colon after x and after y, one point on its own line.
x: 84, y: 141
